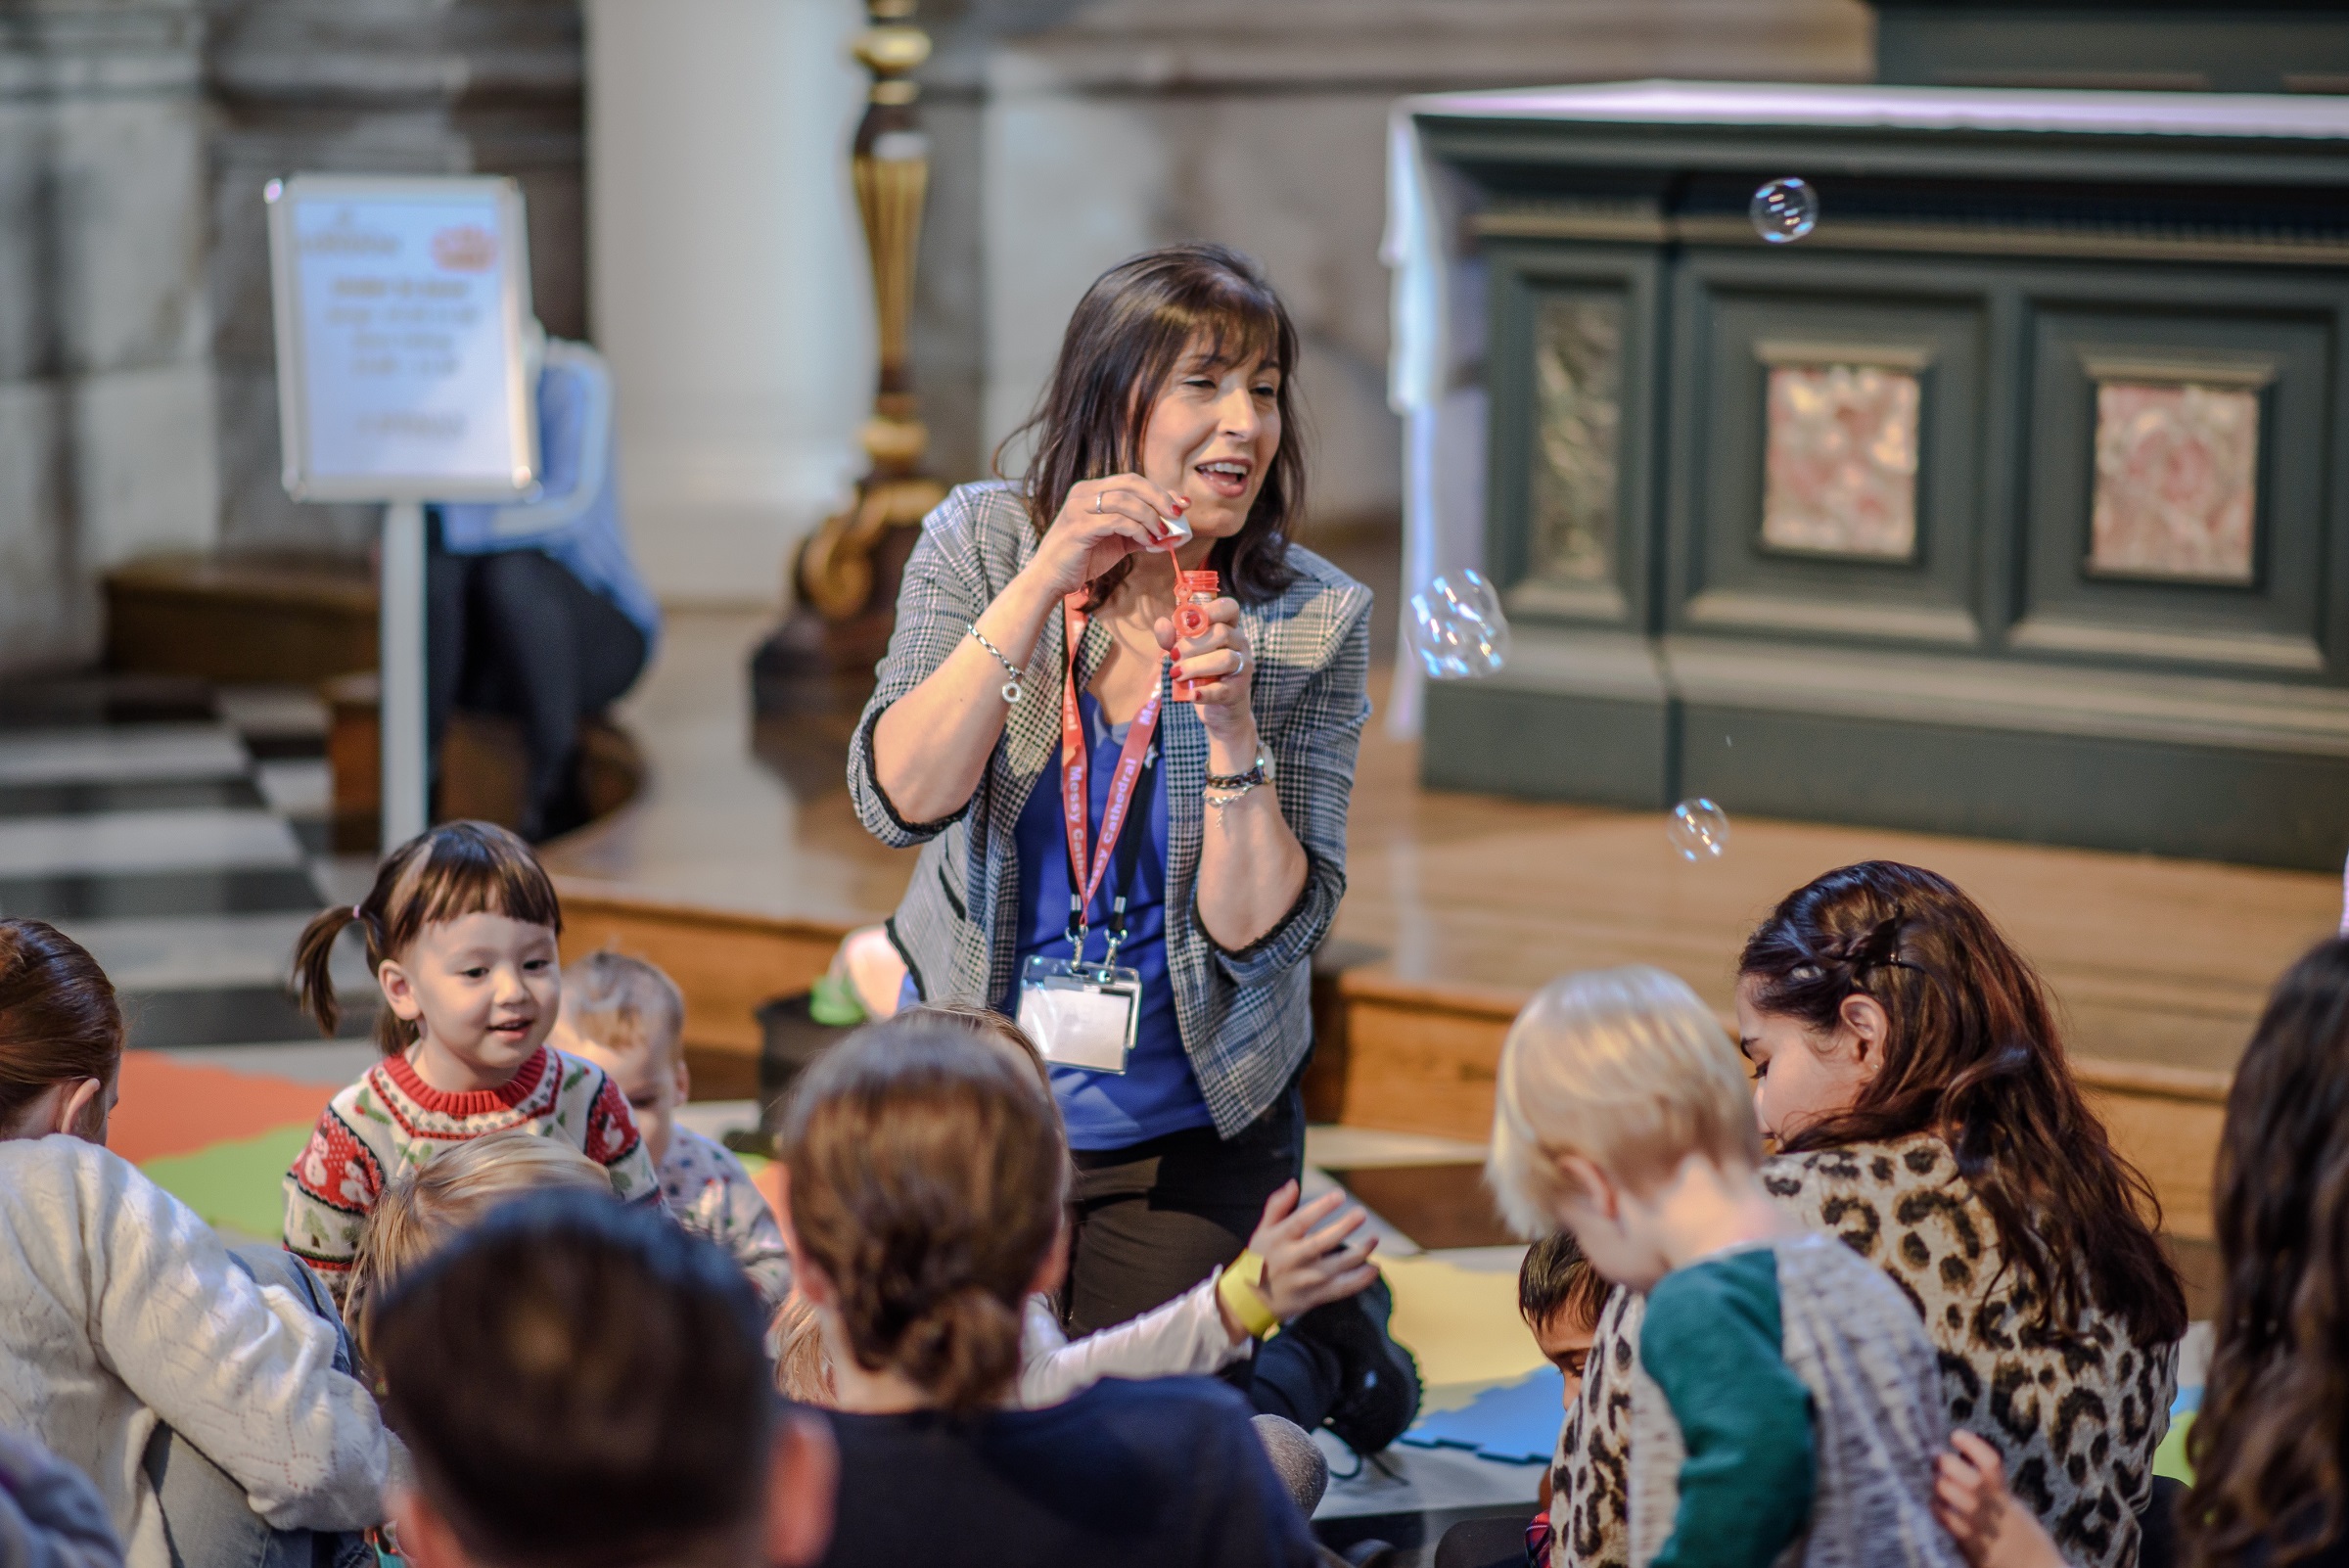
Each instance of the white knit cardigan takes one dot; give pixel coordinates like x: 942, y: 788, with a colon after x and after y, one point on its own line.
x: 119, y: 1309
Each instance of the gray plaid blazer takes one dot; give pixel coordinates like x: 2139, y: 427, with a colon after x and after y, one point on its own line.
x: 1244, y: 1016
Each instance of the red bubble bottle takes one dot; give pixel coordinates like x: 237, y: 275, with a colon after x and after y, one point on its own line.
x: 1194, y: 591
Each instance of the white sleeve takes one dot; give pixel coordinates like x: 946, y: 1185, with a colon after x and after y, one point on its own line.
x: 1184, y: 1338
x: 243, y: 1372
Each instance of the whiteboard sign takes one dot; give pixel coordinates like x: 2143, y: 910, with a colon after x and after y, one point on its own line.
x: 401, y: 309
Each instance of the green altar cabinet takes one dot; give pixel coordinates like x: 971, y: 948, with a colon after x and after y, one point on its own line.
x: 2012, y: 500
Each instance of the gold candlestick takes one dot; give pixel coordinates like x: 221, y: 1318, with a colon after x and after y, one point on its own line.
x: 891, y: 168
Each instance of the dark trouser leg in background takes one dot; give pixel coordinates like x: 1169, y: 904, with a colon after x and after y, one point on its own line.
x: 1153, y: 1220
x: 563, y: 652
x: 447, y: 596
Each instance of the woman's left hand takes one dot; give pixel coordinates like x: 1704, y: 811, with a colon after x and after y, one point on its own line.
x: 1218, y: 663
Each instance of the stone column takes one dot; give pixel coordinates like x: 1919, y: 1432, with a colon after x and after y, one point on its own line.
x: 106, y: 410
x: 729, y: 280
x: 377, y: 87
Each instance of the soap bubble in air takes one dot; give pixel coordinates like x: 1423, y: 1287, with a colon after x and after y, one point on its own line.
x: 1784, y: 211
x: 1457, y: 628
x: 1699, y: 830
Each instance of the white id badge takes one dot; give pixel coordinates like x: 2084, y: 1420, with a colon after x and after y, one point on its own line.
x: 1080, y: 1015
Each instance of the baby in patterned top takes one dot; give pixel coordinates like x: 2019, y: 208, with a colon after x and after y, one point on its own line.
x: 628, y: 1018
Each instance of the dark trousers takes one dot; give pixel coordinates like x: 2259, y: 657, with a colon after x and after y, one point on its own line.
x: 515, y: 634
x: 1153, y: 1220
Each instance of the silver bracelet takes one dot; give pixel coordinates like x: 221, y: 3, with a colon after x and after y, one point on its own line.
x: 1221, y: 795
x: 1011, y: 687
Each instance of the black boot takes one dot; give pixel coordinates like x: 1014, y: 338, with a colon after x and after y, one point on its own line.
x: 1379, y: 1392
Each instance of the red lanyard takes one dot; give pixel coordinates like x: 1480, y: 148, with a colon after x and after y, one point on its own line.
x: 1075, y: 757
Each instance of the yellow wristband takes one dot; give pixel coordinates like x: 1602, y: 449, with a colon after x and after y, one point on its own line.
x: 1246, y: 1302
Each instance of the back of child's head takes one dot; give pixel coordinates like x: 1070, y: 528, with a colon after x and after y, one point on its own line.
x: 422, y: 1209
x: 580, y: 1382
x: 1556, y: 1282
x: 625, y: 1005
x: 1623, y: 1067
x: 987, y: 1025
x: 2269, y: 1441
x: 445, y: 873
x: 927, y: 1180
x: 59, y: 1020
x: 1972, y: 1052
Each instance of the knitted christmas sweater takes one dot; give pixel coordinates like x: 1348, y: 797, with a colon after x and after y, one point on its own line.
x: 391, y: 1121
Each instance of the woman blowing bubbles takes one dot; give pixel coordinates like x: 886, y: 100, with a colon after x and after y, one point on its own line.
x: 1080, y: 813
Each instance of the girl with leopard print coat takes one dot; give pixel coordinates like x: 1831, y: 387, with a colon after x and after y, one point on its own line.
x: 1907, y: 1064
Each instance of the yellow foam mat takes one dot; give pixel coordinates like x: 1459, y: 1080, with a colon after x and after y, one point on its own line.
x: 1460, y: 1323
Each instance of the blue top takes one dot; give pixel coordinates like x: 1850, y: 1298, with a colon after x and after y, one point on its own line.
x: 1158, y: 1092
x: 575, y: 516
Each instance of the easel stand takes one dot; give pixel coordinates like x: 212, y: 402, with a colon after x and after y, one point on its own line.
x: 400, y: 650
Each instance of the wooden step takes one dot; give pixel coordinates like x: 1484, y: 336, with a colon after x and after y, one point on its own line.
x: 1412, y: 1056
x: 483, y: 765
x: 283, y: 620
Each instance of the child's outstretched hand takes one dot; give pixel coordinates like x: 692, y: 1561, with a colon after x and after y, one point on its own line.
x: 1307, y: 1268
x: 1972, y: 1500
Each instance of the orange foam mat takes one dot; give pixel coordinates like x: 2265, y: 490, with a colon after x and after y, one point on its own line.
x: 170, y: 1107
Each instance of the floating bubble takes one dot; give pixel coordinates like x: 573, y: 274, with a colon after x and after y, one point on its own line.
x: 1784, y: 211
x: 1457, y: 628
x: 1699, y: 830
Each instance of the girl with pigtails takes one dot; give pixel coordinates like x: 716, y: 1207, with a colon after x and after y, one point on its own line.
x: 461, y: 928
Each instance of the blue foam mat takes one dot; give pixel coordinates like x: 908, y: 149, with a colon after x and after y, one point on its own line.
x: 1514, y: 1423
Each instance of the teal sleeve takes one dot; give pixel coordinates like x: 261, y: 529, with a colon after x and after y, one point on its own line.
x: 1712, y: 1341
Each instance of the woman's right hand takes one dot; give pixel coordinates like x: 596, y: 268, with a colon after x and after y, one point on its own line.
x: 1100, y: 523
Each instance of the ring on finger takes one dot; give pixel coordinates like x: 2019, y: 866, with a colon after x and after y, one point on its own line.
x: 1242, y: 666
x: 1097, y: 495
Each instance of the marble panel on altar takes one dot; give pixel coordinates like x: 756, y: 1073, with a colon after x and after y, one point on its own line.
x: 2177, y: 471
x: 1578, y: 393
x: 1840, y: 471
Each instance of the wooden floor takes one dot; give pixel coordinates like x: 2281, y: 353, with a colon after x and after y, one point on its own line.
x: 742, y: 861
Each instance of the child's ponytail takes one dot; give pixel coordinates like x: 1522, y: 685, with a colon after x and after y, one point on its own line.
x: 927, y: 1178
x: 446, y: 873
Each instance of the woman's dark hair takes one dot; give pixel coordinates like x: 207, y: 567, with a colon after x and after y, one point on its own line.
x: 927, y: 1178
x: 581, y: 1385
x: 2267, y: 1446
x: 446, y: 873
x: 59, y: 1020
x: 1973, y: 1055
x: 1129, y: 334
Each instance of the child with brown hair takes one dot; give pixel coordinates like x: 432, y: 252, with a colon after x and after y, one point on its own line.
x: 1789, y: 1401
x: 461, y: 926
x: 926, y: 1182
x: 628, y: 1018
x: 204, y: 1404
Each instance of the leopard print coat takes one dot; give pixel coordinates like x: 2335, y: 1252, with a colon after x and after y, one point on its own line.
x: 2078, y: 1423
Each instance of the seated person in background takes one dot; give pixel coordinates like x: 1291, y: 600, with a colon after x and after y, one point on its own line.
x: 1559, y: 1296
x: 927, y: 1190
x: 1791, y: 1403
x: 50, y: 1515
x: 534, y: 609
x: 205, y: 1405
x: 628, y: 1018
x: 424, y: 1209
x: 581, y: 1383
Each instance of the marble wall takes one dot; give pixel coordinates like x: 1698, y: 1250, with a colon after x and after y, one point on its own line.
x: 106, y: 397
x: 1107, y: 126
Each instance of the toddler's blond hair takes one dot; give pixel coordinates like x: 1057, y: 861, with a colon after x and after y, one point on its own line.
x: 1623, y: 1067
x: 422, y: 1209
x: 621, y: 1003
